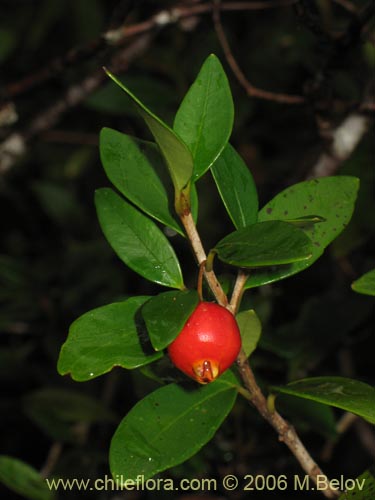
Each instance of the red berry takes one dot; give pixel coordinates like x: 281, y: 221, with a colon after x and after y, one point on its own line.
x: 208, y: 343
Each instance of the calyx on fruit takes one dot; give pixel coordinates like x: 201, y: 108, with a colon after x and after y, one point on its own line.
x: 208, y: 344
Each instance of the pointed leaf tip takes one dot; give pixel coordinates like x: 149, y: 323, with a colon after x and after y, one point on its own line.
x: 205, y: 117
x: 175, y: 152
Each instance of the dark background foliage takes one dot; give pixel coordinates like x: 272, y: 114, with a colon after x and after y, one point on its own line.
x: 55, y: 264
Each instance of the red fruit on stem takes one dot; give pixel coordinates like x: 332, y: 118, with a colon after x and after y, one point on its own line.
x: 208, y: 343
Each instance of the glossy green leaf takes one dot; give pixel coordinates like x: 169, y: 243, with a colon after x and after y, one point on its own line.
x: 204, y: 119
x: 345, y: 393
x: 236, y: 187
x: 264, y: 244
x: 111, y: 335
x: 331, y: 198
x: 21, y: 478
x: 136, y: 169
x: 250, y: 328
x: 360, y: 488
x: 365, y: 284
x: 137, y: 240
x: 177, y: 155
x: 169, y: 426
x: 165, y: 315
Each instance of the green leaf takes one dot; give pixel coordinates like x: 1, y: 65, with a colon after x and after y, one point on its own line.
x: 169, y: 426
x: 360, y: 488
x: 111, y: 335
x: 204, y: 119
x: 177, y: 155
x: 331, y: 198
x: 166, y: 314
x: 365, y: 284
x: 236, y: 187
x: 137, y: 240
x: 55, y: 410
x: 264, y: 244
x: 250, y: 328
x: 21, y: 478
x: 345, y: 393
x: 136, y: 168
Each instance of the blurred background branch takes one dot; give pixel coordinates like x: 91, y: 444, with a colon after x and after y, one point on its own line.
x: 301, y: 73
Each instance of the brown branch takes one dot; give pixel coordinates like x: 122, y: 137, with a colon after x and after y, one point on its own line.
x: 53, y: 456
x: 343, y: 425
x: 366, y: 435
x: 250, y: 89
x: 15, y: 145
x: 117, y: 37
x: 286, y: 432
x: 52, y: 69
x: 200, y: 255
x: 178, y: 13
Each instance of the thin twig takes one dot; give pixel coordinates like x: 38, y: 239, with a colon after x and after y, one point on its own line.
x: 118, y: 36
x: 286, y: 432
x: 200, y: 280
x: 178, y: 13
x: 53, y: 456
x: 52, y: 69
x: 366, y: 435
x: 238, y: 290
x: 200, y: 255
x: 250, y: 89
x: 14, y: 146
x: 344, y: 424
